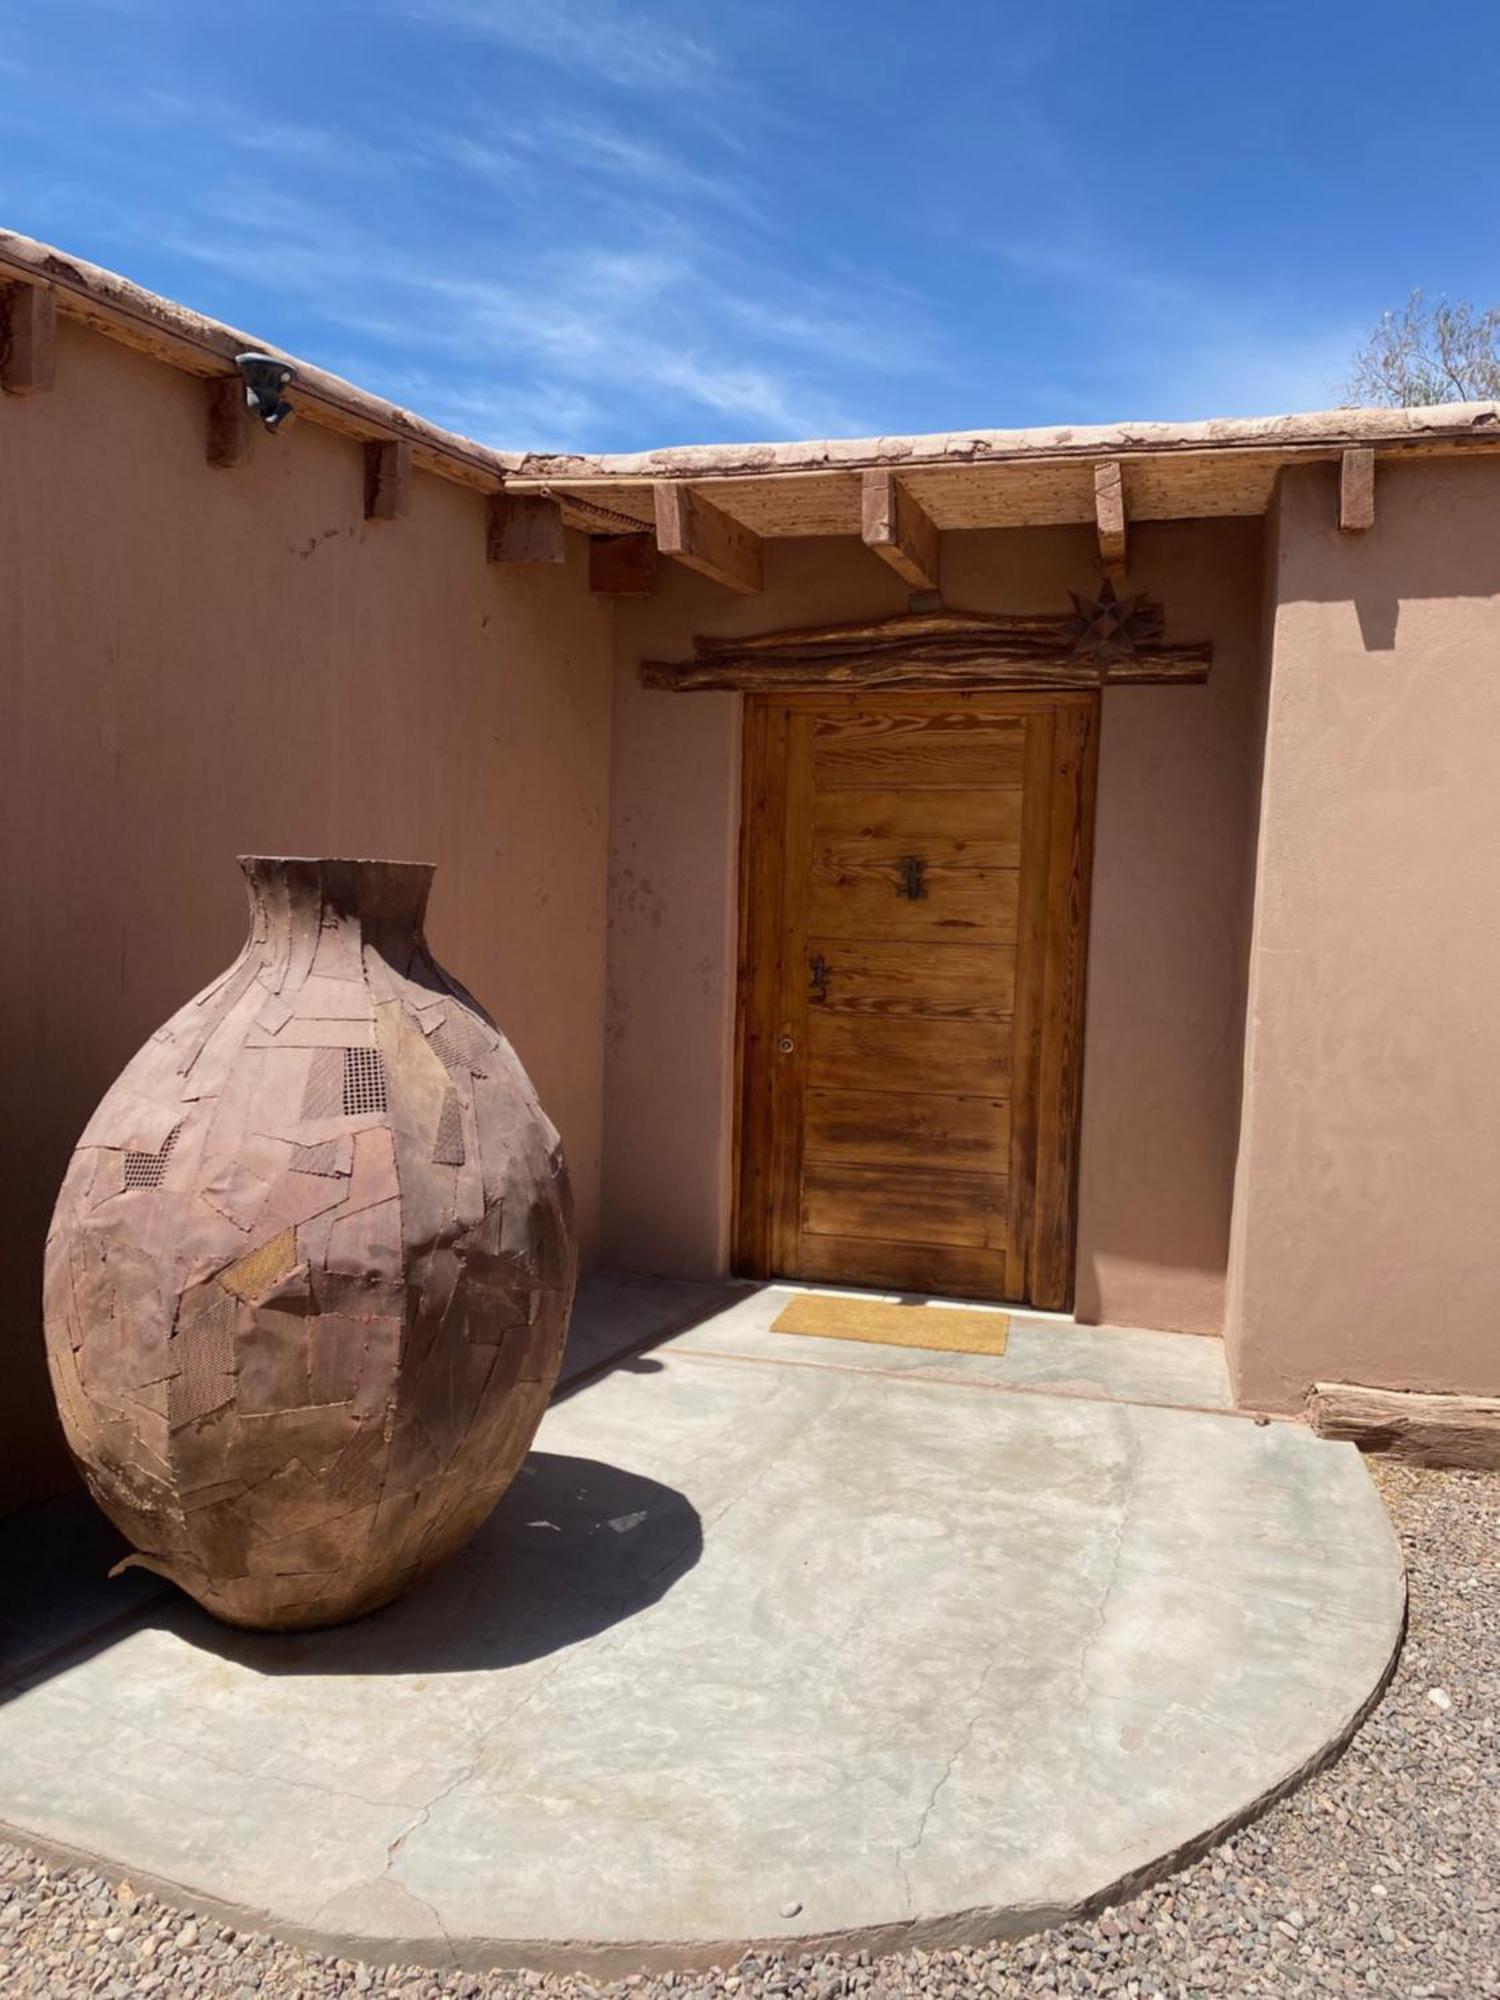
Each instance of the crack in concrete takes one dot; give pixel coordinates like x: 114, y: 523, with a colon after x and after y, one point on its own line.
x: 1131, y: 1479
x: 905, y: 1855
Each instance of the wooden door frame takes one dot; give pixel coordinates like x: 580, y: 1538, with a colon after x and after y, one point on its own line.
x: 1057, y: 847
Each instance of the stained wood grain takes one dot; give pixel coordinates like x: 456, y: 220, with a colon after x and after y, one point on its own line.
x: 870, y: 976
x: 930, y: 1270
x: 961, y: 905
x: 920, y: 1054
x: 1060, y: 1061
x: 958, y: 828
x: 904, y: 1204
x: 908, y: 1129
x: 876, y: 746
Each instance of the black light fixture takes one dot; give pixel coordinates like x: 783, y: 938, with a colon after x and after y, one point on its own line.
x: 266, y: 375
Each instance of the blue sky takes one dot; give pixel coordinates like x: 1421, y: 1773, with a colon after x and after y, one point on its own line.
x: 604, y: 225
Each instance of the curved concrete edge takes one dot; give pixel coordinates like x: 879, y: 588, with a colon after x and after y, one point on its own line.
x: 617, y: 1959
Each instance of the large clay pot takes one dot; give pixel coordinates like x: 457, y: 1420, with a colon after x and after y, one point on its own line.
x: 309, y: 1275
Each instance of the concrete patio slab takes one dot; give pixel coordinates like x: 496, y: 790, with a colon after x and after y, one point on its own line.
x: 1045, y: 1351
x: 755, y: 1650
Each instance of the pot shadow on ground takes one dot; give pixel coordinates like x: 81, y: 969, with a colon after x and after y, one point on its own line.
x: 574, y: 1547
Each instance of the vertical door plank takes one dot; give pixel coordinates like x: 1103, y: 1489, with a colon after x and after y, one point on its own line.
x: 1060, y: 1067
x: 762, y: 837
x: 792, y: 1026
x: 1031, y: 966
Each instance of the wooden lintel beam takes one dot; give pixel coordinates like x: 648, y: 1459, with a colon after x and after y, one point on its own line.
x: 28, y: 339
x: 387, y: 479
x: 232, y: 423
x: 525, y: 529
x: 899, y: 529
x: 622, y: 565
x: 1109, y: 514
x: 693, y: 531
x: 1357, y: 490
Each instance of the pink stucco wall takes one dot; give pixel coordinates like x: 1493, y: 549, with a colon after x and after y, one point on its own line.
x: 1369, y: 1173
x: 198, y: 663
x: 1178, y: 775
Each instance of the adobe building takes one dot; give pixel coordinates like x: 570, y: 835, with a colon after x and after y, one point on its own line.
x: 1055, y: 866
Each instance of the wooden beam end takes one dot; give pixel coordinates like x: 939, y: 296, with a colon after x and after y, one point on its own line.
x: 524, y: 528
x: 898, y: 529
x: 694, y: 531
x: 28, y: 339
x: 1357, y: 490
x: 231, y: 422
x: 1110, y: 516
x: 622, y: 565
x: 387, y: 479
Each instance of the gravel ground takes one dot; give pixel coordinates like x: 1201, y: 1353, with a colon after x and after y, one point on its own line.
x: 1381, y: 1877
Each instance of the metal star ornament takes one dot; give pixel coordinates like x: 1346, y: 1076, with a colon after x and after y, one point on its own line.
x: 1109, y: 627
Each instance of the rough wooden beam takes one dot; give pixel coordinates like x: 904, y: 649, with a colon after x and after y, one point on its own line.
x: 28, y: 339
x: 112, y: 306
x: 523, y: 529
x: 928, y: 650
x: 1109, y: 515
x: 899, y: 530
x: 1422, y: 1429
x: 387, y: 479
x: 622, y: 565
x: 1357, y: 490
x: 695, y: 532
x: 232, y: 423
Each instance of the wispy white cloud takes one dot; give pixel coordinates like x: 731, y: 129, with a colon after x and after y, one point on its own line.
x: 1178, y: 347
x: 229, y: 125
x: 533, y: 357
x: 596, y: 38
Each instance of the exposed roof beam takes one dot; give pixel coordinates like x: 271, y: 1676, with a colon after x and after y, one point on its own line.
x: 622, y: 565
x: 693, y: 531
x: 1357, y: 490
x: 28, y: 339
x: 898, y: 529
x: 113, y: 306
x: 231, y: 423
x: 524, y: 529
x: 1109, y: 515
x: 387, y: 479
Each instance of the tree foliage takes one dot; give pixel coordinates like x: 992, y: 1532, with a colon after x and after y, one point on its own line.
x: 1425, y: 353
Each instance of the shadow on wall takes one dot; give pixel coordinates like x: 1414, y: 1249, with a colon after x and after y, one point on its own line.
x: 1433, y: 533
x: 573, y: 1548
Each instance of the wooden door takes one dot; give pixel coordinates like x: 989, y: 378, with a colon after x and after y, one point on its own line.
x: 914, y: 908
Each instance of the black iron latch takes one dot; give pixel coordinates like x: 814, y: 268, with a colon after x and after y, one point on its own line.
x: 913, y: 877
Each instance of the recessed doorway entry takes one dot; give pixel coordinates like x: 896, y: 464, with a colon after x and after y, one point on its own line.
x: 914, y: 920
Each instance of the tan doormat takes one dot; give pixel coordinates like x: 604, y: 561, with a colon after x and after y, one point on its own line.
x: 949, y: 1329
